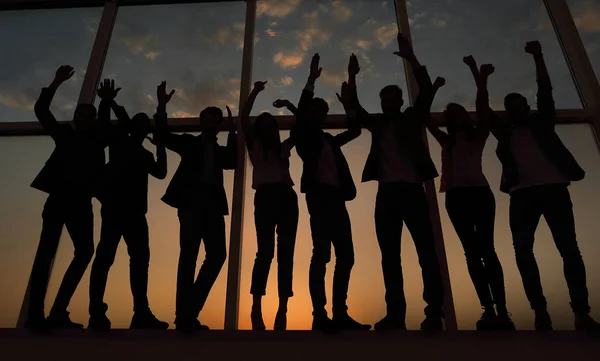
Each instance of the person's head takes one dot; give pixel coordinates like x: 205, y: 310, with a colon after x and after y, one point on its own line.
x: 391, y: 99
x: 85, y: 117
x: 457, y: 118
x: 319, y: 110
x: 210, y: 119
x: 516, y: 107
x: 266, y: 130
x: 140, y: 127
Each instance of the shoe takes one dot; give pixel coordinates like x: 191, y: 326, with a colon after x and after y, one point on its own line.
x: 199, y: 326
x: 324, y: 324
x: 63, y: 321
x: 389, y: 323
x: 147, y: 321
x: 280, y: 321
x: 504, y: 322
x: 543, y: 322
x: 585, y: 322
x: 488, y: 320
x: 257, y: 321
x: 432, y: 323
x: 345, y: 322
x: 99, y: 323
x: 37, y: 325
x: 185, y: 325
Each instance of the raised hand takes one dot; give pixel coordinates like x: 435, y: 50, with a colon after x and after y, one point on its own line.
x: 107, y: 90
x: 405, y: 49
x: 161, y: 93
x: 259, y: 86
x: 63, y: 73
x: 487, y: 70
x: 344, y: 98
x: 439, y: 82
x: 470, y: 61
x: 281, y: 103
x: 534, y: 48
x: 315, y: 70
x: 353, y: 67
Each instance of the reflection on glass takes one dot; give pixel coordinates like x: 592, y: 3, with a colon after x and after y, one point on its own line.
x: 289, y: 32
x: 39, y: 42
x: 580, y: 140
x: 492, y: 31
x: 586, y: 14
x: 164, y: 257
x: 195, y: 48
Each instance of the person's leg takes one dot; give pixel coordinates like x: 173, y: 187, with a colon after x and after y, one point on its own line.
x: 286, y: 243
x: 388, y: 227
x: 53, y: 221
x: 190, y: 235
x: 265, y: 214
x: 558, y: 212
x: 416, y: 214
x: 216, y: 253
x: 525, y: 212
x: 80, y: 225
x: 110, y: 235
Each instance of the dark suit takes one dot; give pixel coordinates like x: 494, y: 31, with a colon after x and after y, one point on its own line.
x: 329, y: 219
x: 201, y: 210
x: 69, y: 177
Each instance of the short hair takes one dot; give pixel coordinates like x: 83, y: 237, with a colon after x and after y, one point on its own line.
x: 211, y: 110
x: 513, y: 96
x: 86, y: 107
x: 321, y: 103
x: 391, y: 89
x: 141, y: 121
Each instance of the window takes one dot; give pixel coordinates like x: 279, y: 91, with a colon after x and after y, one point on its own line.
x: 580, y: 140
x: 38, y: 42
x: 289, y: 32
x: 164, y: 257
x: 493, y: 32
x: 195, y: 48
x: 586, y: 13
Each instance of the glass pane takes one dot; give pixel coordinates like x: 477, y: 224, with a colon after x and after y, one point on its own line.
x: 366, y: 293
x: 586, y: 13
x: 39, y: 42
x: 196, y: 48
x: 164, y: 256
x: 289, y: 32
x: 580, y: 140
x: 20, y: 219
x: 493, y: 32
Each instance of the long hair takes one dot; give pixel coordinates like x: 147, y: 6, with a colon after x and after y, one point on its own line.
x: 458, y: 111
x: 266, y: 133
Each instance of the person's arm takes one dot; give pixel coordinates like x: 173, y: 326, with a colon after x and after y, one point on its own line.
x: 230, y: 152
x: 42, y: 105
x: 347, y: 98
x: 545, y: 99
x: 482, y: 103
x: 108, y: 132
x: 309, y: 89
x: 157, y: 168
x: 362, y: 116
x: 246, y: 109
x: 433, y: 128
x: 284, y: 103
x: 163, y: 135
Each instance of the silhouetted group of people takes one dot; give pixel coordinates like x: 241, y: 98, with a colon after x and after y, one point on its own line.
x: 536, y: 172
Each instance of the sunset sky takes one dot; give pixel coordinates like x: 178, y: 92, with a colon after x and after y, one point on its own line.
x: 197, y: 49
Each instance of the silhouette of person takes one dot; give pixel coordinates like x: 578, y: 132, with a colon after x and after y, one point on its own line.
x: 399, y: 160
x: 328, y: 185
x: 537, y: 169
x: 470, y: 202
x: 197, y: 192
x: 70, y: 178
x: 124, y: 198
x: 275, y: 207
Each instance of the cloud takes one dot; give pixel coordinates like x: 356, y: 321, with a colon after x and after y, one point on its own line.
x: 386, y: 34
x: 287, y: 81
x: 332, y: 78
x: 16, y: 102
x: 183, y: 114
x: 289, y: 61
x: 151, y: 55
x: 276, y: 8
x: 312, y: 35
x: 439, y: 23
x: 588, y: 21
x: 363, y: 44
x: 68, y: 106
x: 150, y: 97
x: 270, y: 32
x: 140, y: 43
x: 340, y: 11
x: 195, y: 95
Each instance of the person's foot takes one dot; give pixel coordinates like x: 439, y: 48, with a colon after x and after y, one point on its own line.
x: 62, y: 321
x: 147, y: 321
x: 37, y: 325
x: 258, y: 324
x: 389, y: 323
x: 585, y: 322
x: 488, y: 320
x: 345, y: 322
x: 185, y: 325
x: 543, y: 322
x: 99, y: 323
x: 504, y: 322
x: 432, y: 323
x: 198, y: 326
x: 280, y: 321
x: 324, y: 324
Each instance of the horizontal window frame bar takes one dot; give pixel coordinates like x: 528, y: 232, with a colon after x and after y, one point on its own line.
x: 16, y: 5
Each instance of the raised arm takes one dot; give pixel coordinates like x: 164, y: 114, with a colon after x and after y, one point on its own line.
x: 545, y: 100
x: 309, y: 90
x: 163, y: 135
x: 433, y: 128
x: 284, y: 103
x: 361, y: 115
x: 230, y: 152
x: 246, y: 109
x: 350, y: 103
x: 42, y: 105
x: 157, y: 168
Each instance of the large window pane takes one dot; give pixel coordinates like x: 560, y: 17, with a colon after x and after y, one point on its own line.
x: 20, y: 218
x: 492, y: 31
x: 164, y: 257
x: 586, y: 14
x: 35, y: 44
x: 196, y: 48
x: 580, y: 140
x: 289, y: 32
